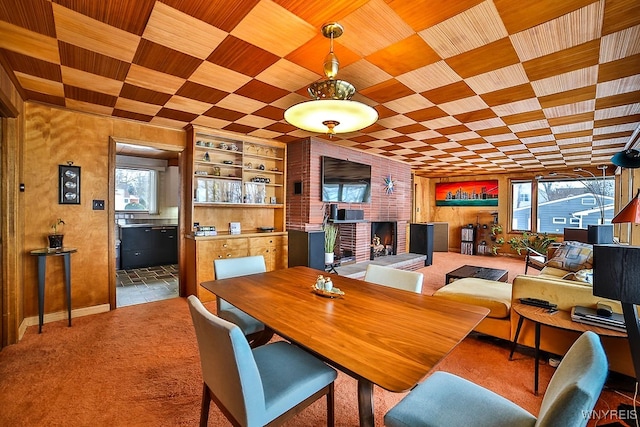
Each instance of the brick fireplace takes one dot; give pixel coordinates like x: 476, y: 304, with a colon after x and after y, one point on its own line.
x: 305, y: 209
x: 383, y: 239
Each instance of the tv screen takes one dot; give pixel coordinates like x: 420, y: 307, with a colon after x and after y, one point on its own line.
x: 345, y: 181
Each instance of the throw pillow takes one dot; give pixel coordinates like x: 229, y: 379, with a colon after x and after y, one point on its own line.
x: 584, y: 276
x: 572, y: 256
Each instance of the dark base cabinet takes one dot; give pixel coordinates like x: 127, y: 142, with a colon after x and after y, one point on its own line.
x: 148, y: 246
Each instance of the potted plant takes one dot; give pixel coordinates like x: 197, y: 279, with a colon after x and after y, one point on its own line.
x: 56, y: 236
x: 330, y: 235
x: 536, y: 241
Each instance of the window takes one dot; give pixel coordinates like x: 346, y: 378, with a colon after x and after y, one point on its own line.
x: 136, y: 190
x: 521, y: 208
x: 567, y: 201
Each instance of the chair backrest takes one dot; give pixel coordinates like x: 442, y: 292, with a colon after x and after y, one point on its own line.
x: 392, y: 277
x: 234, y: 267
x: 228, y: 366
x: 576, y: 384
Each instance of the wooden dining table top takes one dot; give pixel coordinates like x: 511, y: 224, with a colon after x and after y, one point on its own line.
x: 387, y: 336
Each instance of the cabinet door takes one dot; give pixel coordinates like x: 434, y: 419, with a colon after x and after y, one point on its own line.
x: 273, y: 250
x: 136, y: 238
x: 136, y: 259
x: 166, y: 245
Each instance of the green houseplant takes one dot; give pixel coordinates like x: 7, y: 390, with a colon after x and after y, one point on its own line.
x: 330, y: 236
x: 55, y: 235
x: 539, y: 242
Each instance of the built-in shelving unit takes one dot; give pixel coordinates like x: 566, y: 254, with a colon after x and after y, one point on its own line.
x: 233, y: 178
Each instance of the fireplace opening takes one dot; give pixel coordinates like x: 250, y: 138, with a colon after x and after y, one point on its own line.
x: 383, y: 239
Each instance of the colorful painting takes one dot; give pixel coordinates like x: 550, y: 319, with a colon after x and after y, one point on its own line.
x: 467, y: 193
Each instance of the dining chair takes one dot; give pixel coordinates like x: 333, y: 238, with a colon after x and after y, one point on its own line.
x: 256, y: 387
x: 444, y: 399
x: 395, y: 278
x: 256, y: 332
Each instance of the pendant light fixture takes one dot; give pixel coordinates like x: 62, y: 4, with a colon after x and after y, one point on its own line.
x: 331, y: 109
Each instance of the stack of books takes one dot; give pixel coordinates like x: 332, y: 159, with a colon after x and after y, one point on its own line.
x: 591, y: 317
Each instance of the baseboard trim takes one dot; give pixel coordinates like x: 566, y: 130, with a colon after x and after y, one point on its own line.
x: 62, y: 315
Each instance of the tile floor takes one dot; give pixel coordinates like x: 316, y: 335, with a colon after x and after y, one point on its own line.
x: 141, y: 285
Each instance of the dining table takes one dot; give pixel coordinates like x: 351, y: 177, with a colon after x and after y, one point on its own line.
x: 377, y: 334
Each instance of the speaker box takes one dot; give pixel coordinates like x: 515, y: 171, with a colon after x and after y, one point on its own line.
x: 350, y: 214
x: 421, y: 241
x: 306, y: 248
x: 333, y: 211
x: 600, y: 234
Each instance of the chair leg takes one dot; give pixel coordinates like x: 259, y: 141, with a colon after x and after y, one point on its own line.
x: 204, y: 407
x: 260, y: 338
x: 330, y: 407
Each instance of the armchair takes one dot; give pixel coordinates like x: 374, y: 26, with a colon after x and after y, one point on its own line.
x: 534, y: 259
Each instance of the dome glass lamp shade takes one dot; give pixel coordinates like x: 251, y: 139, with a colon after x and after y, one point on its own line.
x: 331, y: 109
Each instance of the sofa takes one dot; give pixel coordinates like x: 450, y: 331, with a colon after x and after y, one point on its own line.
x: 559, y: 282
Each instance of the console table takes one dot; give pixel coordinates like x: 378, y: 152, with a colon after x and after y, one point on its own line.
x: 42, y: 255
x: 559, y: 319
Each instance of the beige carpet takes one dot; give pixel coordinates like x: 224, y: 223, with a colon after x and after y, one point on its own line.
x: 139, y: 366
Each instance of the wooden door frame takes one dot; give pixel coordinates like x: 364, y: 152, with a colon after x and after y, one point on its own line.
x: 112, y: 210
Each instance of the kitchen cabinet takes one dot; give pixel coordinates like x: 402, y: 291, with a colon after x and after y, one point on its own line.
x: 148, y: 246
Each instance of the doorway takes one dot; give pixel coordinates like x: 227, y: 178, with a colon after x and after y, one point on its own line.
x: 144, y: 194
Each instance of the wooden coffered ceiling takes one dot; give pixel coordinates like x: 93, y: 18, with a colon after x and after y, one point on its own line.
x: 461, y: 87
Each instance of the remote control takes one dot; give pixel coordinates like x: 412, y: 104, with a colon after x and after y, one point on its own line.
x: 538, y: 302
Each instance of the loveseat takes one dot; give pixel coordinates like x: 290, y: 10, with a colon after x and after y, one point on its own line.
x: 553, y: 284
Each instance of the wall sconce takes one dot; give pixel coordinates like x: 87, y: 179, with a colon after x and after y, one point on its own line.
x: 68, y: 184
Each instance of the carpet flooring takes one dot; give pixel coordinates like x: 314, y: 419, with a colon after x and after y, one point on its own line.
x: 139, y: 366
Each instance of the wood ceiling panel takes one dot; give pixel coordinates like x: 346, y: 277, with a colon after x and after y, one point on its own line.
x: 187, y: 105
x: 201, y: 93
x: 82, y: 79
x: 474, y: 116
x: 178, y: 115
x: 449, y: 93
x: 153, y: 80
x: 620, y: 14
x: 217, y: 13
x: 404, y: 56
x: 177, y: 30
x: 575, y: 58
x: 82, y: 59
x: 576, y: 118
x: 387, y: 91
x: 508, y: 95
x: 20, y: 13
x: 89, y: 96
x: 80, y: 30
x: 257, y: 28
x: 372, y: 27
x: 36, y: 84
x: 519, y: 16
x: 36, y: 67
x: 618, y: 100
x: 568, y: 97
x: 144, y: 95
x: 260, y: 91
x: 620, y: 68
x: 25, y: 42
x: 126, y: 15
x: 483, y: 59
x: 635, y: 118
x: 166, y: 60
x: 242, y: 57
x: 525, y: 117
x: 421, y: 14
x: 319, y: 12
x: 143, y: 108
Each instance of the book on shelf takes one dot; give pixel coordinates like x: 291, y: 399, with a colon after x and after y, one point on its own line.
x: 589, y: 316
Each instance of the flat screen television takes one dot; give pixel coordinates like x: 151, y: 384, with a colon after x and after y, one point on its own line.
x: 345, y: 181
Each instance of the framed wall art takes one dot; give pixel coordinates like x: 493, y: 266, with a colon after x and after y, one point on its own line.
x: 69, y: 185
x: 467, y: 193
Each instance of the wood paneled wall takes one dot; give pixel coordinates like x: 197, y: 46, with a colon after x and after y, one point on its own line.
x: 11, y: 222
x: 53, y: 137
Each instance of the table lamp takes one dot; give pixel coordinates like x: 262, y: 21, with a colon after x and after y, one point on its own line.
x: 616, y: 275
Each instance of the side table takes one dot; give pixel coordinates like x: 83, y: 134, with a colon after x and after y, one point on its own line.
x: 42, y: 255
x: 559, y: 319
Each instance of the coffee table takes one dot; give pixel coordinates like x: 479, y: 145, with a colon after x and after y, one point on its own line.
x: 478, y: 273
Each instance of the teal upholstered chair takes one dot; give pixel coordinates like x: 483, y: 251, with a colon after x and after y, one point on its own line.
x: 255, y: 387
x: 255, y: 331
x: 395, y: 278
x: 444, y: 399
